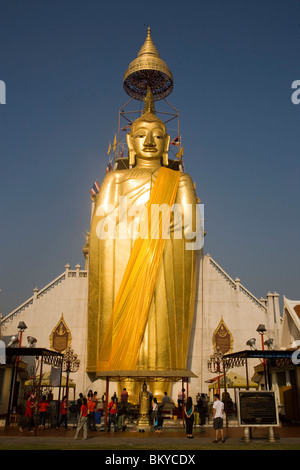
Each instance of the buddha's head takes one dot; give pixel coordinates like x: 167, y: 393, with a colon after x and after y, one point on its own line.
x: 148, y: 139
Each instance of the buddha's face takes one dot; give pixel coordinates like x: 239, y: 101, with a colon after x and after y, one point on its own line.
x: 149, y: 140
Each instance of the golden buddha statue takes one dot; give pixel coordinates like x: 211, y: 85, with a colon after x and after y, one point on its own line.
x: 144, y: 407
x: 142, y: 288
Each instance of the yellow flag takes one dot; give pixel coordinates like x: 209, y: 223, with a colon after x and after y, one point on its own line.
x: 109, y: 149
x: 180, y: 153
x: 115, y: 143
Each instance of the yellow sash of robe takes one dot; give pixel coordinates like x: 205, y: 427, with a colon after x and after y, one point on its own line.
x: 129, y: 317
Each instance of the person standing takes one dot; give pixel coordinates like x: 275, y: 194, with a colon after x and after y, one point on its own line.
x: 79, y: 403
x: 63, y: 414
x: 160, y: 419
x: 203, y: 409
x: 155, y: 413
x: 124, y: 396
x: 189, y: 417
x: 112, y: 412
x: 166, y: 398
x: 121, y: 415
x: 82, y: 421
x: 43, y: 410
x: 92, y: 405
x: 30, y: 404
x: 181, y: 397
x: 218, y: 410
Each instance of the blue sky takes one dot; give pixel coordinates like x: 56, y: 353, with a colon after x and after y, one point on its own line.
x: 233, y: 64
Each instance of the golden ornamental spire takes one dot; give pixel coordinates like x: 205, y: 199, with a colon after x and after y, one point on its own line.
x: 148, y: 47
x: 148, y: 70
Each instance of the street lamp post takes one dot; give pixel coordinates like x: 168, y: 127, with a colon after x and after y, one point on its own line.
x: 216, y: 365
x: 261, y: 329
x: 21, y: 327
x: 71, y: 364
x: 12, y: 397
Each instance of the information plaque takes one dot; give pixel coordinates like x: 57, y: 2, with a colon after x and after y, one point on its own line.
x: 257, y: 408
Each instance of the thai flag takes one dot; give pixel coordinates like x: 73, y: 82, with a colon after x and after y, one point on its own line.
x: 176, y: 141
x: 95, y: 189
x: 126, y: 127
x: 108, y: 168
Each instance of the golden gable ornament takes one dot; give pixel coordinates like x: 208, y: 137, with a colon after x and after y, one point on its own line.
x: 60, y: 337
x: 222, y: 338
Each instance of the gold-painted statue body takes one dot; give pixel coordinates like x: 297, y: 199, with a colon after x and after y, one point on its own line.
x: 167, y: 336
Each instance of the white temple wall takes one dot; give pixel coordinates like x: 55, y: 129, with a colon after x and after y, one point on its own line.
x: 67, y: 296
x: 218, y: 296
x: 221, y: 297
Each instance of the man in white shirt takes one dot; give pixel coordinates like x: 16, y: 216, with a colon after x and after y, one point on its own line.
x: 218, y: 410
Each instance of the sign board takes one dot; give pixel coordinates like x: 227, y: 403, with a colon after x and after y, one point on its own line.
x: 257, y: 408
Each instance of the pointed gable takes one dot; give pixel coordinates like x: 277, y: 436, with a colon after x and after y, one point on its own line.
x: 291, y: 322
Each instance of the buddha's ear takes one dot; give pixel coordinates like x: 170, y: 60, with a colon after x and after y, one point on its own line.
x: 166, y: 149
x: 131, y: 154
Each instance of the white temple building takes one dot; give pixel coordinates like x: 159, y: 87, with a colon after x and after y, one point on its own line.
x: 226, y: 315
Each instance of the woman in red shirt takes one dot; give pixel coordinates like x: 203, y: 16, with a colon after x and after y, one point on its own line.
x: 43, y: 409
x: 92, y: 404
x: 83, y: 420
x: 63, y: 413
x: 112, y: 407
x: 30, y: 404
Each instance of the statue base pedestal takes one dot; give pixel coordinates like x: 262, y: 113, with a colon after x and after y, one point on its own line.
x: 144, y: 422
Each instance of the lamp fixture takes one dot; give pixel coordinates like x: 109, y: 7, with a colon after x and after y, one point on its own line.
x: 269, y: 343
x: 22, y: 326
x: 261, y: 329
x: 13, y: 340
x: 251, y: 342
x: 31, y: 341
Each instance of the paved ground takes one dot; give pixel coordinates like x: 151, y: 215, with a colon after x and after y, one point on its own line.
x: 172, y: 439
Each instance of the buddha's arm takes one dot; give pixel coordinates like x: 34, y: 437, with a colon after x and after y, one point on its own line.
x: 107, y: 198
x: 185, y: 221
